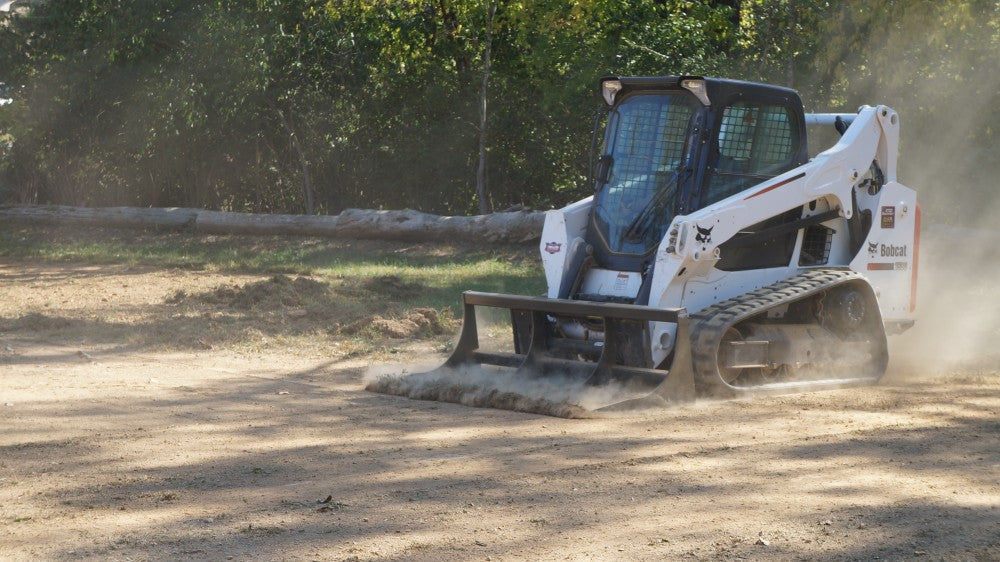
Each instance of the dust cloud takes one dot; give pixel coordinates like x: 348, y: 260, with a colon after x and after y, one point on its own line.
x: 496, y: 387
x: 949, y: 158
x: 938, y: 69
x: 489, y: 386
x: 958, y: 305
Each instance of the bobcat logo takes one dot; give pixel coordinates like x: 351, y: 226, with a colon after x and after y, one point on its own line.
x: 872, y: 249
x: 704, y: 234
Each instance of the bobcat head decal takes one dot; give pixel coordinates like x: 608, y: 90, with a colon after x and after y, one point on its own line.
x: 872, y: 249
x: 704, y: 234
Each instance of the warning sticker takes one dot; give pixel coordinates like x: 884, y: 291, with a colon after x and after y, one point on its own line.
x: 889, y: 216
x: 888, y: 266
x: 621, y: 282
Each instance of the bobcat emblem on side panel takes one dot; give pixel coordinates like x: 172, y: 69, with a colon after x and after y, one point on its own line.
x: 704, y: 234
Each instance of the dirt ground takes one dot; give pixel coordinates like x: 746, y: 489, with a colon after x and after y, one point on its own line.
x: 112, y: 448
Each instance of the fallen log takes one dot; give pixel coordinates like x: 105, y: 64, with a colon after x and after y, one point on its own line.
x: 409, y: 225
x: 219, y: 222
x: 171, y: 218
x: 518, y: 226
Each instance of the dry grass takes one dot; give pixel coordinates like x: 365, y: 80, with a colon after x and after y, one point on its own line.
x: 180, y: 291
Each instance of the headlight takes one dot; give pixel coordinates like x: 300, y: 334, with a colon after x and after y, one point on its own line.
x: 697, y: 87
x: 609, y: 88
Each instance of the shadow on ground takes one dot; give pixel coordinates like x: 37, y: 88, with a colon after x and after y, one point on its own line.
x: 300, y: 464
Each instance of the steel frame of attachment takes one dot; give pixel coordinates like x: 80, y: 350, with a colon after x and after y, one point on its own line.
x: 674, y: 385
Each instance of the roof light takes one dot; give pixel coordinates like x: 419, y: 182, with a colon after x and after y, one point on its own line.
x: 608, y: 90
x: 697, y: 87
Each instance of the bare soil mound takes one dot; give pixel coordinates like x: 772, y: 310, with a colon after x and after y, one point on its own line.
x: 308, y: 300
x: 414, y: 322
x: 392, y: 286
x: 276, y: 292
x: 35, y: 322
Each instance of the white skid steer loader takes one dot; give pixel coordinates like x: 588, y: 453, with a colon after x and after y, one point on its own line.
x: 714, y: 258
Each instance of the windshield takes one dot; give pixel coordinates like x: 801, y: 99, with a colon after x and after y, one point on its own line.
x: 646, y: 137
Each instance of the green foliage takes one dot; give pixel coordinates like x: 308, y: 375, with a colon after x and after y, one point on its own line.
x: 936, y: 62
x: 227, y: 104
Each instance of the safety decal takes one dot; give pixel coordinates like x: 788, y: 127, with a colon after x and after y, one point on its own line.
x: 621, y: 281
x: 889, y: 216
x: 553, y: 247
x: 888, y: 266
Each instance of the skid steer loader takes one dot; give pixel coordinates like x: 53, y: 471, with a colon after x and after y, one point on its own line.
x: 714, y: 258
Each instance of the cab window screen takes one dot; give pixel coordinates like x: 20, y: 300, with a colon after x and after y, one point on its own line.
x: 756, y: 142
x: 648, y: 141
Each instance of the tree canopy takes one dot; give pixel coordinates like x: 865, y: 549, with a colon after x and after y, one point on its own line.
x: 256, y: 104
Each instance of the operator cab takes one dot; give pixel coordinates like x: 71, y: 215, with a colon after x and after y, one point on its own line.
x: 675, y: 144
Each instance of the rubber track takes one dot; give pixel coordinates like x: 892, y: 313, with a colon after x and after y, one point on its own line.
x: 709, y: 324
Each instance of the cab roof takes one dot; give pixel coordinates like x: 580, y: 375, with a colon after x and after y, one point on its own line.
x: 719, y: 90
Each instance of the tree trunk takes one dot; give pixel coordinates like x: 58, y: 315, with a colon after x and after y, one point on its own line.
x: 131, y: 217
x: 518, y: 226
x: 790, y: 44
x: 307, y: 191
x: 405, y: 225
x: 481, y: 189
